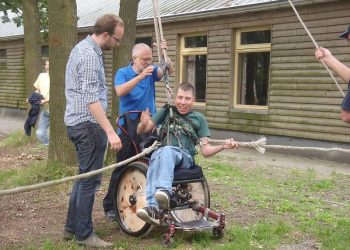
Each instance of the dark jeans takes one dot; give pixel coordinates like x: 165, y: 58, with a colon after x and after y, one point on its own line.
x: 90, y: 142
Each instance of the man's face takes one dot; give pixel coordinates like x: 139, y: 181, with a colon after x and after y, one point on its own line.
x: 143, y: 59
x: 115, y: 39
x: 184, y: 101
x: 47, y: 66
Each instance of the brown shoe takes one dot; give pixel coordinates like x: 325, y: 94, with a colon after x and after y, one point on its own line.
x: 68, y: 235
x: 94, y: 241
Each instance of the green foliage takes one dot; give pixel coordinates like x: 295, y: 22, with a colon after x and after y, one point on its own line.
x: 16, y: 139
x: 35, y: 173
x: 15, y: 7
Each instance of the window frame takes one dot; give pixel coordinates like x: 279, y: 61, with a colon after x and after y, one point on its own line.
x: 3, y: 60
x: 191, y: 52
x: 248, y: 48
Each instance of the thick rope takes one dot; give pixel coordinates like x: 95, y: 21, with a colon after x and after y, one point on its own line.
x: 260, y: 146
x: 316, y: 45
x: 80, y: 176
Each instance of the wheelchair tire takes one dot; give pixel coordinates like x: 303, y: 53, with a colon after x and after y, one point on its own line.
x: 130, y: 195
x: 200, y: 193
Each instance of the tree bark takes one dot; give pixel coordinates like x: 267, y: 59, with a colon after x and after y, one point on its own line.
x: 122, y: 54
x: 32, y: 39
x: 62, y: 38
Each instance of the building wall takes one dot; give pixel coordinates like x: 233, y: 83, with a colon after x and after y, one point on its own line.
x: 12, y: 90
x: 304, y: 102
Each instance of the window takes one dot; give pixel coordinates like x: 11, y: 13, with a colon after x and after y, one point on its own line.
x: 45, y: 52
x: 252, y: 67
x: 193, y: 68
x: 3, y: 56
x: 145, y: 40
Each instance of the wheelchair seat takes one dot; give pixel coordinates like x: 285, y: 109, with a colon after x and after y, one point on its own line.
x: 193, y: 174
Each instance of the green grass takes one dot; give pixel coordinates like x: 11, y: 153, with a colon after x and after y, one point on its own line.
x: 36, y: 173
x: 17, y: 139
x: 271, y: 208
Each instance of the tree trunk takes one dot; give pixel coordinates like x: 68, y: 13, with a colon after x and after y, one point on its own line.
x: 122, y: 54
x: 62, y: 38
x: 32, y: 38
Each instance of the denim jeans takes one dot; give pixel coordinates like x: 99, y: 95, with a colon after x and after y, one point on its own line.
x: 43, y: 127
x: 90, y: 142
x: 160, y: 173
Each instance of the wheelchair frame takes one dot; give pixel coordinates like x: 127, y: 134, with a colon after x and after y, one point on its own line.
x: 189, y: 210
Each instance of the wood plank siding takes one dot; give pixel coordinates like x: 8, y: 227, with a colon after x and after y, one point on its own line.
x: 303, y: 101
x: 12, y: 90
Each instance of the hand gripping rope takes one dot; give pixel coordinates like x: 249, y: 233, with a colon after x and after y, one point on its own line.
x: 316, y: 45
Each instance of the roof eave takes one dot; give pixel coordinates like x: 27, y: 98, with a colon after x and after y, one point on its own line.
x: 232, y: 10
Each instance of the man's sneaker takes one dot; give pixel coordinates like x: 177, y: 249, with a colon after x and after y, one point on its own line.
x: 68, y: 235
x: 94, y: 241
x: 163, y: 199
x: 110, y: 215
x: 149, y: 214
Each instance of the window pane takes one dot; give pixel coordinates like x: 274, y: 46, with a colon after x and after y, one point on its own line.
x: 196, y: 74
x: 3, y: 54
x: 45, y: 51
x: 145, y: 40
x: 253, y: 37
x: 195, y: 41
x: 253, y: 78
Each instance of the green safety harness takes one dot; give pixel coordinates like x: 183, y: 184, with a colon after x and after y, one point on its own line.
x: 175, y: 126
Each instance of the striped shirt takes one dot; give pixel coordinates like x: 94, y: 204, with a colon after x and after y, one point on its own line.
x: 85, y: 82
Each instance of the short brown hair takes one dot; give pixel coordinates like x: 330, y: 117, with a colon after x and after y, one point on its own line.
x: 107, y: 23
x: 185, y: 86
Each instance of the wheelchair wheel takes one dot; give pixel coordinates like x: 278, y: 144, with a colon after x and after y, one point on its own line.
x: 200, y: 193
x: 130, y: 195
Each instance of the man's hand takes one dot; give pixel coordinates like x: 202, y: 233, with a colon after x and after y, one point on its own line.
x: 114, y: 141
x: 144, y: 121
x: 230, y: 144
x: 146, y: 72
x: 322, y: 53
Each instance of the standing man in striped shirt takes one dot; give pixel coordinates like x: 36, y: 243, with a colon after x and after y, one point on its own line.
x: 87, y: 124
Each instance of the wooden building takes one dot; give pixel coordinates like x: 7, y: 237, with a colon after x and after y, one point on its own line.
x: 251, y: 61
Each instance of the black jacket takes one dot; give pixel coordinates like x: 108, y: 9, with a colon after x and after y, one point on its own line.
x: 33, y: 113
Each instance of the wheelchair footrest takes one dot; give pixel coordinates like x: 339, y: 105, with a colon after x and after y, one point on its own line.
x: 197, y: 225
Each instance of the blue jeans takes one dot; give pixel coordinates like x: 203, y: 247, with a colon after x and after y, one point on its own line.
x: 160, y: 173
x: 90, y: 142
x: 43, y: 126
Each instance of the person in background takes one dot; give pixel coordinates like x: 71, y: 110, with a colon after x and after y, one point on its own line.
x: 42, y: 86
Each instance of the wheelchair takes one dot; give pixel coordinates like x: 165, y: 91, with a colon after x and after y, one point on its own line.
x: 189, y: 206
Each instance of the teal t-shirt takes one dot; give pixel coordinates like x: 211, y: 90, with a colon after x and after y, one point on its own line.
x: 184, y: 141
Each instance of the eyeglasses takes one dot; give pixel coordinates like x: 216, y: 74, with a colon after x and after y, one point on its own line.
x: 116, y: 39
x: 145, y: 59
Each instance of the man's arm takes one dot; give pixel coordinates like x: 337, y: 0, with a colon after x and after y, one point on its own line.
x: 125, y: 88
x: 339, y: 68
x: 99, y: 114
x: 208, y: 150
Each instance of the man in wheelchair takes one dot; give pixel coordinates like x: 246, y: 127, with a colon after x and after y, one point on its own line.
x: 180, y: 130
